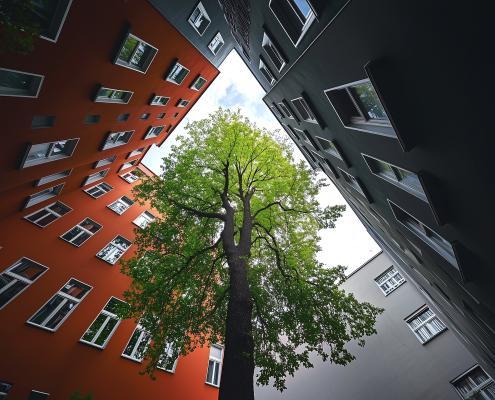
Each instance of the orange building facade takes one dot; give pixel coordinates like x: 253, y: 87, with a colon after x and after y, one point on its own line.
x: 108, y: 80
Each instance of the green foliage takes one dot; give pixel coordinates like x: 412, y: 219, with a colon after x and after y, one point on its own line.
x: 18, y: 26
x: 181, y: 274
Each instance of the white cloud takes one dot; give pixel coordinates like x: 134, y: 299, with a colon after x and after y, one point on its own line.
x: 236, y: 88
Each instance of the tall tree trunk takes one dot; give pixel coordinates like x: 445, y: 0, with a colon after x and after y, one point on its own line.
x: 238, y: 362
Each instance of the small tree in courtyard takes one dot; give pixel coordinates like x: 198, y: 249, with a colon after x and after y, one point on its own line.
x: 233, y: 260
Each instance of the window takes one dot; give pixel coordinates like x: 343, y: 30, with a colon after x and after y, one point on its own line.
x: 400, y: 177
x: 306, y: 137
x: 19, y: 84
x: 216, y: 43
x: 47, y: 152
x: 199, y: 19
x: 291, y: 132
x: 50, y: 17
x: 168, y: 360
x: 145, y: 116
x: 53, y: 177
x: 177, y: 74
x: 475, y: 384
x: 42, y: 121
x: 43, y: 195
x: 160, y: 116
x: 159, y: 100
x: 285, y: 109
x: 137, y: 345
x: 114, y: 250
x: 107, y: 95
x: 37, y: 395
x: 128, y: 165
x: 48, y: 214
x: 353, y: 182
x: 56, y: 310
x: 176, y: 115
x: 182, y: 103
x: 153, y: 131
x: 198, y: 83
x: 266, y: 72
x: 330, y: 147
x: 123, y: 117
x: 132, y: 176
x: 115, y: 139
x: 81, y: 232
x: 136, y: 152
x: 427, y: 235
x: 304, y: 110
x: 144, y: 219
x: 104, y: 161
x: 358, y: 107
x: 121, y: 205
x: 92, y: 119
x: 136, y: 54
x: 214, y: 366
x: 98, y: 190
x: 15, y: 279
x: 276, y: 111
x: 4, y: 389
x: 425, y: 324
x: 295, y: 16
x: 390, y: 280
x: 273, y: 52
x: 104, y: 326
x: 95, y: 177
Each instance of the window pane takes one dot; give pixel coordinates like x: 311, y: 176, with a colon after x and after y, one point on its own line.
x: 28, y: 269
x: 368, y: 99
x: 56, y: 319
x: 94, y: 328
x: 75, y: 289
x: 8, y: 292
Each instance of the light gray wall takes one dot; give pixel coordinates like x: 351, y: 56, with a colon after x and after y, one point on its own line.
x: 393, y: 364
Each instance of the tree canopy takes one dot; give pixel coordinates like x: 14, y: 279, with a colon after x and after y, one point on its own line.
x: 232, y: 258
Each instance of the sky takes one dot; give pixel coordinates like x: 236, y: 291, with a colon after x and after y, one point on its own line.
x: 349, y: 243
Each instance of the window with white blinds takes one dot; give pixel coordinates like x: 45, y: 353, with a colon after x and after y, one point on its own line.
x: 475, y: 384
x: 425, y: 324
x: 390, y: 280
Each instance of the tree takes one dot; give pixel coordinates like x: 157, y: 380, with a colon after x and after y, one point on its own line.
x: 233, y: 259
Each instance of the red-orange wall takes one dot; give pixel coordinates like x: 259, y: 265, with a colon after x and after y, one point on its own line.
x: 73, y: 67
x: 57, y: 363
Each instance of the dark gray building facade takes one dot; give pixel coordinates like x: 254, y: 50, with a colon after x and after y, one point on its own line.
x: 390, y: 100
x: 413, y: 356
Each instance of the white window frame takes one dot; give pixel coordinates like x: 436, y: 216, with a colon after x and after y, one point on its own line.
x: 100, y: 188
x: 195, y: 83
x: 305, y: 105
x: 83, y: 230
x: 286, y: 111
x: 359, y: 189
x: 136, y: 152
x: 48, y: 211
x: 150, y: 132
x: 53, y: 177
x: 217, y: 366
x: 21, y: 278
x: 38, y: 393
x: 214, y: 48
x: 268, y: 42
x: 143, y: 336
x: 96, y: 176
x: 109, y: 316
x: 36, y: 91
x: 416, y: 314
x: 44, y: 195
x: 104, y: 161
x: 117, y: 246
x: 144, y: 217
x: 393, y: 278
x: 177, y: 64
x: 128, y: 65
x: 155, y: 101
x: 67, y: 297
x: 310, y: 18
x: 263, y: 67
x: 448, y: 255
x: 477, y: 388
x: 110, y: 142
x: 111, y: 99
x: 397, y: 180
x: 182, y: 103
x: 203, y: 14
x: 128, y: 164
x: 134, y: 178
x: 49, y: 156
x: 168, y: 352
x: 59, y: 29
x: 121, y: 201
